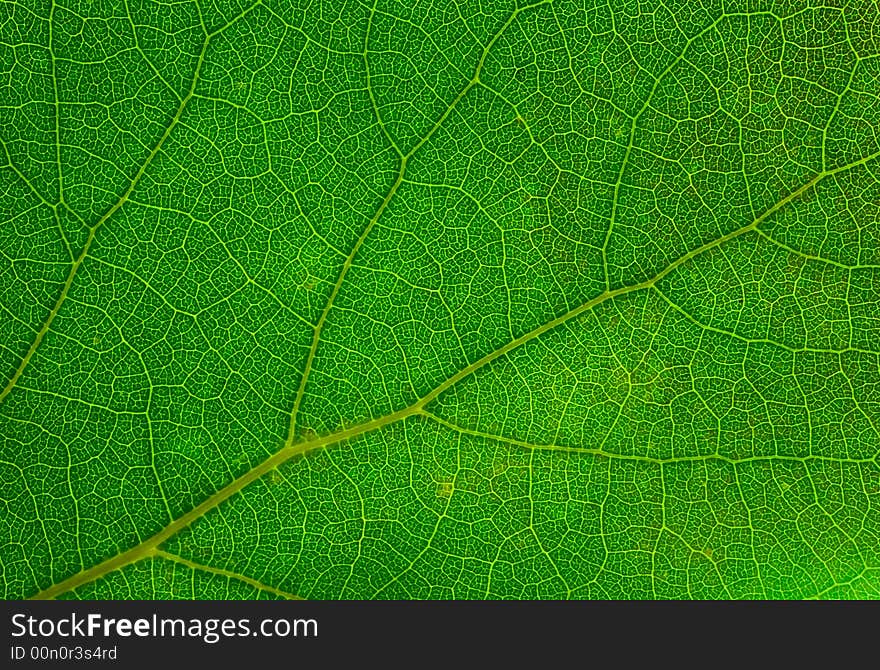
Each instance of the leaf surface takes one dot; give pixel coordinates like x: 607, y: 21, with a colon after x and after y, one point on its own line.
x: 440, y: 300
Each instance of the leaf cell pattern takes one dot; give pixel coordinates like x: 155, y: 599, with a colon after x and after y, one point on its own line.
x: 477, y: 299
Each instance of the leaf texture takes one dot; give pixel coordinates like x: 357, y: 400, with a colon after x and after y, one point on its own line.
x: 377, y: 299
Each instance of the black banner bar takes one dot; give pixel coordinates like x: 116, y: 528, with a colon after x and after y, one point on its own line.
x: 422, y: 634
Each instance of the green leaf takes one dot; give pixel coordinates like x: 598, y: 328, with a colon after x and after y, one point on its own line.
x: 439, y: 300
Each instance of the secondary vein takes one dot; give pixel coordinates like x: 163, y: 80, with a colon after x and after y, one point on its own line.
x: 65, y: 289
x: 93, y: 230
x: 404, y: 158
x: 158, y: 553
